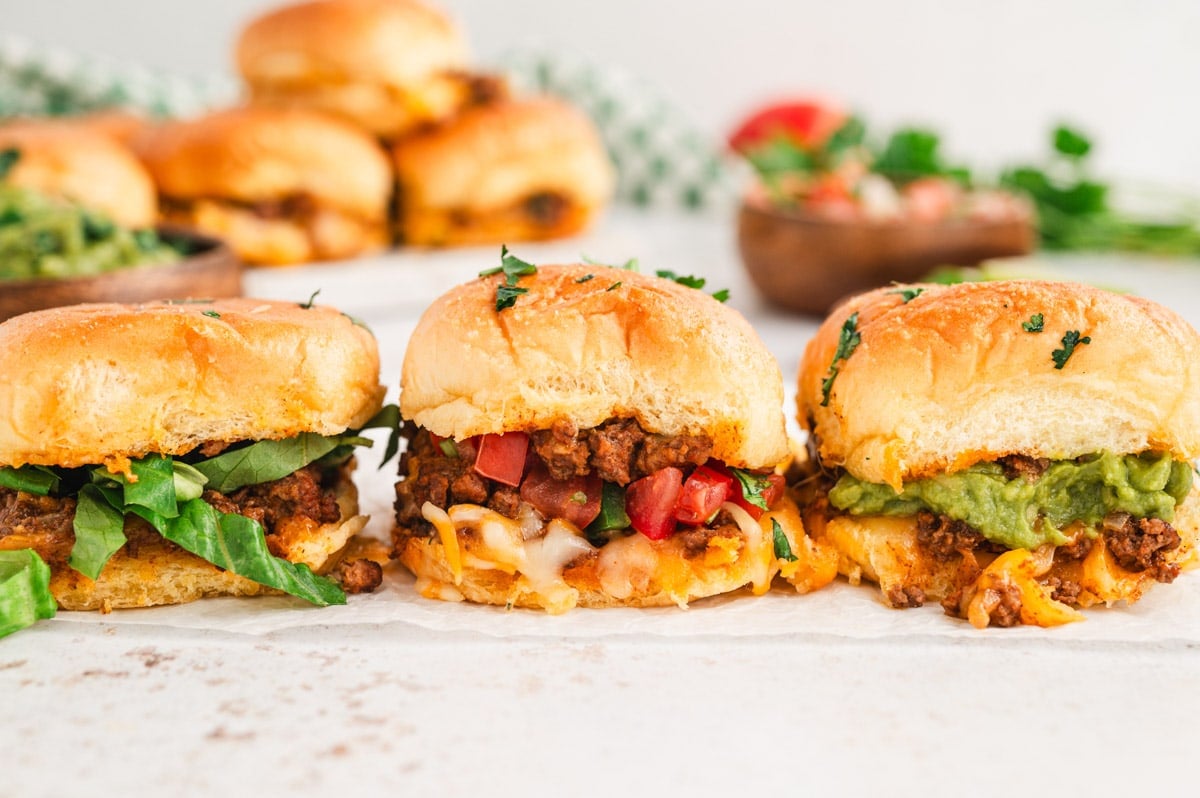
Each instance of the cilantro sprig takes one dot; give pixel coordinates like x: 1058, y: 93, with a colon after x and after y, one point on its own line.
x: 513, y: 269
x: 1070, y: 340
x: 1036, y: 323
x: 908, y: 294
x: 848, y: 341
x: 783, y: 549
x: 8, y: 159
x: 753, y: 487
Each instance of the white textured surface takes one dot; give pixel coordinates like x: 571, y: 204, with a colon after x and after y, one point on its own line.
x: 830, y: 692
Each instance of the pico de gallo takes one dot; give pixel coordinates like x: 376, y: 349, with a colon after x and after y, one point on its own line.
x: 614, y: 479
x: 817, y: 158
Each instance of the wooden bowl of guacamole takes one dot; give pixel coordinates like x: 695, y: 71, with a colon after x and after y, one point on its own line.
x: 53, y: 254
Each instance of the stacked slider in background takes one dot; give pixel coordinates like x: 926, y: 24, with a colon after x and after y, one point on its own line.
x: 472, y: 165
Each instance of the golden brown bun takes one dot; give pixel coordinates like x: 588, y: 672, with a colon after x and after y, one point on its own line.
x: 490, y: 160
x: 97, y: 383
x: 65, y: 160
x: 380, y: 63
x: 157, y: 572
x: 391, y: 42
x: 884, y: 550
x: 671, y: 357
x: 256, y: 155
x: 951, y: 378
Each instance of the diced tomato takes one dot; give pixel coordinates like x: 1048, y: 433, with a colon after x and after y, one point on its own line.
x: 502, y: 457
x: 650, y: 502
x: 806, y: 122
x: 576, y: 499
x: 703, y: 494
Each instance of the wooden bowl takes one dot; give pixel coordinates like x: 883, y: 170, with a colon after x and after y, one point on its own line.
x: 807, y: 263
x: 211, y: 271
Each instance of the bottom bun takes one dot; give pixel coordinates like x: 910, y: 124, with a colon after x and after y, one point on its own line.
x: 481, y: 556
x: 885, y: 550
x: 151, y: 571
x: 323, y: 234
x: 436, y: 227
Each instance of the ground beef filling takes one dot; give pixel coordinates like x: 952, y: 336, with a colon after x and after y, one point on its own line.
x: 617, y: 451
x: 45, y: 523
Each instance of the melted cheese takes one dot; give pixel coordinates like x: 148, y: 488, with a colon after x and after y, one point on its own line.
x: 816, y: 563
x: 626, y: 565
x: 539, y: 562
x: 760, y: 548
x: 1019, y: 568
x: 448, y: 535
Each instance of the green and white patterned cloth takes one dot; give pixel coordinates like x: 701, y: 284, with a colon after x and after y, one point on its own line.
x: 661, y: 159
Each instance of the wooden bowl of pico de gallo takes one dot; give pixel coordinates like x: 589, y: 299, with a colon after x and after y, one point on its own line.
x: 829, y: 216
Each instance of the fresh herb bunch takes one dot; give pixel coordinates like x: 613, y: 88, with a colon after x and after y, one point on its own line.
x: 1074, y: 209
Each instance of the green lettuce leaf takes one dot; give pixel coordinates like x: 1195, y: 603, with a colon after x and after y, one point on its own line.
x: 238, y: 544
x: 24, y: 590
x: 155, y: 486
x: 265, y: 461
x: 30, y: 478
x: 387, y: 418
x: 99, y: 529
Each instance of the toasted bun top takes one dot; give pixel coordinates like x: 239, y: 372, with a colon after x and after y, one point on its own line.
x: 390, y: 42
x: 94, y: 383
x: 671, y: 357
x: 263, y: 154
x: 951, y: 378
x: 496, y: 154
x: 65, y: 160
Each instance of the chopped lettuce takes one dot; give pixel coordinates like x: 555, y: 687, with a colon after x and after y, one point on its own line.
x: 24, y: 590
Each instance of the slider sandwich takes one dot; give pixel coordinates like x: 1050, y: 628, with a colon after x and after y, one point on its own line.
x: 509, y: 171
x: 590, y: 436
x: 161, y: 453
x: 389, y: 66
x: 67, y: 161
x: 281, y: 186
x: 1014, y: 450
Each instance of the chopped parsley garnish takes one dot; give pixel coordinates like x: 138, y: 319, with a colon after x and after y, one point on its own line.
x: 513, y: 269
x: 614, y: 286
x: 585, y: 278
x: 753, y: 486
x: 1070, y: 340
x: 211, y: 314
x: 308, y: 305
x: 692, y: 281
x: 1035, y: 324
x: 848, y: 341
x: 8, y: 159
x: 908, y: 294
x: 783, y: 549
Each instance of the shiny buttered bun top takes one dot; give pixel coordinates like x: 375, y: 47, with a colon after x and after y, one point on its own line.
x: 590, y: 343
x: 95, y: 383
x: 910, y: 381
x: 262, y: 154
x: 66, y: 160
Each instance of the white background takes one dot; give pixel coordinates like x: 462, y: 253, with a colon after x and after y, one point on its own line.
x: 992, y: 76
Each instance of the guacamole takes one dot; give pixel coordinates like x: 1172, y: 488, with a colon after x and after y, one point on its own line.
x: 43, y: 237
x: 1021, y: 514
